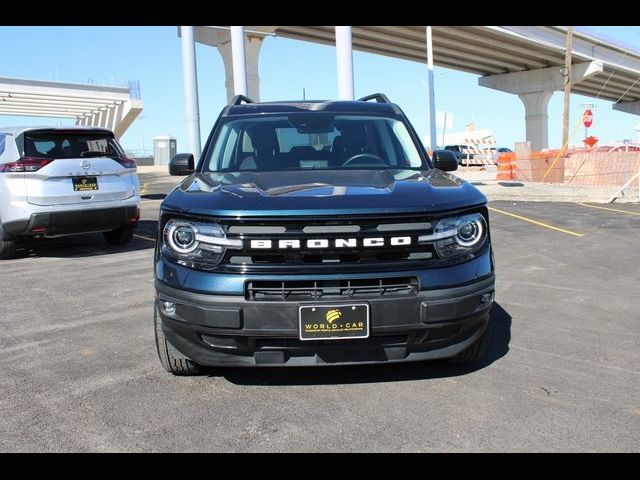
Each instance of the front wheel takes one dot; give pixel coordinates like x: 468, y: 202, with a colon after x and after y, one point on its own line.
x: 119, y: 236
x: 170, y: 358
x: 476, y: 350
x: 7, y: 249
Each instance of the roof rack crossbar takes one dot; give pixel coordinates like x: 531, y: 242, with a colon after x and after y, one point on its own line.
x: 378, y: 97
x: 238, y: 99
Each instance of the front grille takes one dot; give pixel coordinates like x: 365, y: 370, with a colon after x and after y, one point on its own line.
x: 298, y: 290
x: 422, y: 252
x: 333, y: 257
x: 346, y: 251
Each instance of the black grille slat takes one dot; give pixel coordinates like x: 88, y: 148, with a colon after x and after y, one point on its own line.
x: 315, y: 289
x: 328, y: 257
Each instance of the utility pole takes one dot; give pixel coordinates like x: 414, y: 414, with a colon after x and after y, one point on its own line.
x: 190, y: 80
x: 567, y: 89
x: 444, y: 129
x: 432, y: 94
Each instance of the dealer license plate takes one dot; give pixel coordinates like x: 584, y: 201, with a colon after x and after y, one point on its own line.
x: 83, y: 184
x: 333, y: 322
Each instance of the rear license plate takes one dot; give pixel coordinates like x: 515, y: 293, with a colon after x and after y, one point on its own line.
x: 83, y: 184
x: 333, y: 322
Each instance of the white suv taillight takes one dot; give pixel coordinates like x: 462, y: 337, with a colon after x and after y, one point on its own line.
x: 25, y: 164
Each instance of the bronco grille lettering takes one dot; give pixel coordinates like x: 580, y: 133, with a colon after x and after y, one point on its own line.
x: 314, y: 243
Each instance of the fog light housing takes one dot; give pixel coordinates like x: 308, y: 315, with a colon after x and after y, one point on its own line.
x: 168, y: 308
x: 487, y: 297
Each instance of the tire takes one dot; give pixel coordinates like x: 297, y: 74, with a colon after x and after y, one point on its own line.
x: 476, y: 350
x: 119, y: 236
x: 7, y: 249
x: 172, y: 360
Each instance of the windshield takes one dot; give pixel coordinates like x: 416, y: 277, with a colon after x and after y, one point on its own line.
x: 72, y: 144
x: 312, y: 141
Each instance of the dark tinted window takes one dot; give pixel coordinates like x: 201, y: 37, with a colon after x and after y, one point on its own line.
x: 3, y: 137
x: 70, y: 145
x: 301, y: 141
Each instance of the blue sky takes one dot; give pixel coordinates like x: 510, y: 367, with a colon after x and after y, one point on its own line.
x: 109, y: 55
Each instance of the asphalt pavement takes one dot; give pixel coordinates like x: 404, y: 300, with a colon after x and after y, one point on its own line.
x: 79, y: 370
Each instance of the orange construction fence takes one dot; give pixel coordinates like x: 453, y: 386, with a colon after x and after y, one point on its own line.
x: 574, y: 167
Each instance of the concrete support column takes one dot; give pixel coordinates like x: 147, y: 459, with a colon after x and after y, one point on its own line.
x: 252, y: 45
x: 537, y: 118
x: 252, y: 50
x: 535, y: 87
x: 344, y: 53
x: 238, y: 61
x: 189, y: 76
x: 107, y: 116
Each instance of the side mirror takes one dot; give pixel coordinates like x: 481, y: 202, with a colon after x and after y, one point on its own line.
x: 182, y: 164
x: 445, y: 160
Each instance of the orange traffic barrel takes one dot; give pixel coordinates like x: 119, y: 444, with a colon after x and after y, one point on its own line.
x: 506, y: 166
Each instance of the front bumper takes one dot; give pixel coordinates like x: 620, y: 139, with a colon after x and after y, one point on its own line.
x: 227, y: 330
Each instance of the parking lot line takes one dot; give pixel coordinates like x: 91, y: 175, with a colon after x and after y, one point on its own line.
x: 149, y: 239
x: 535, y: 222
x: 610, y: 209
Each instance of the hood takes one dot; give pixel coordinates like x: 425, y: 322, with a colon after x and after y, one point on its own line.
x: 329, y: 192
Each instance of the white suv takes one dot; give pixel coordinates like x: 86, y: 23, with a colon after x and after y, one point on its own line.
x: 59, y: 181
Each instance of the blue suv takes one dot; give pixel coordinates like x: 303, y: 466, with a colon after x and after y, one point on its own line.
x: 320, y: 233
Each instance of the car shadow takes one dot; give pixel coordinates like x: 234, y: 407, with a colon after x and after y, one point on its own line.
x: 335, y: 375
x: 154, y: 196
x: 86, y: 245
x: 511, y: 184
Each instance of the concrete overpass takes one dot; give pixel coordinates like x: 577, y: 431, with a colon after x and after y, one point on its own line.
x: 526, y: 61
x: 114, y: 108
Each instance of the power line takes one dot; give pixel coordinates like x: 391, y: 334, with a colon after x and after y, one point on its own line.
x: 611, y: 74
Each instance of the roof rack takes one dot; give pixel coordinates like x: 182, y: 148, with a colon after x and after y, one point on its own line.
x: 238, y: 99
x: 378, y: 97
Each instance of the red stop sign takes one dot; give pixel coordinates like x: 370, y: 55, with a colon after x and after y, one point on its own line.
x: 587, y: 118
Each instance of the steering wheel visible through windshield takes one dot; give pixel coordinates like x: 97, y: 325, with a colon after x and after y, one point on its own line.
x: 312, y: 141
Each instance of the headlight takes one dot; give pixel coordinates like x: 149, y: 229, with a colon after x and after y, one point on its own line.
x: 196, y: 244
x: 458, y: 235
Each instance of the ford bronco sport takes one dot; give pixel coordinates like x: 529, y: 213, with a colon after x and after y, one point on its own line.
x: 320, y: 233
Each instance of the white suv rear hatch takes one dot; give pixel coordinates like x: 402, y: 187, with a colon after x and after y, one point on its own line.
x: 75, y: 167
